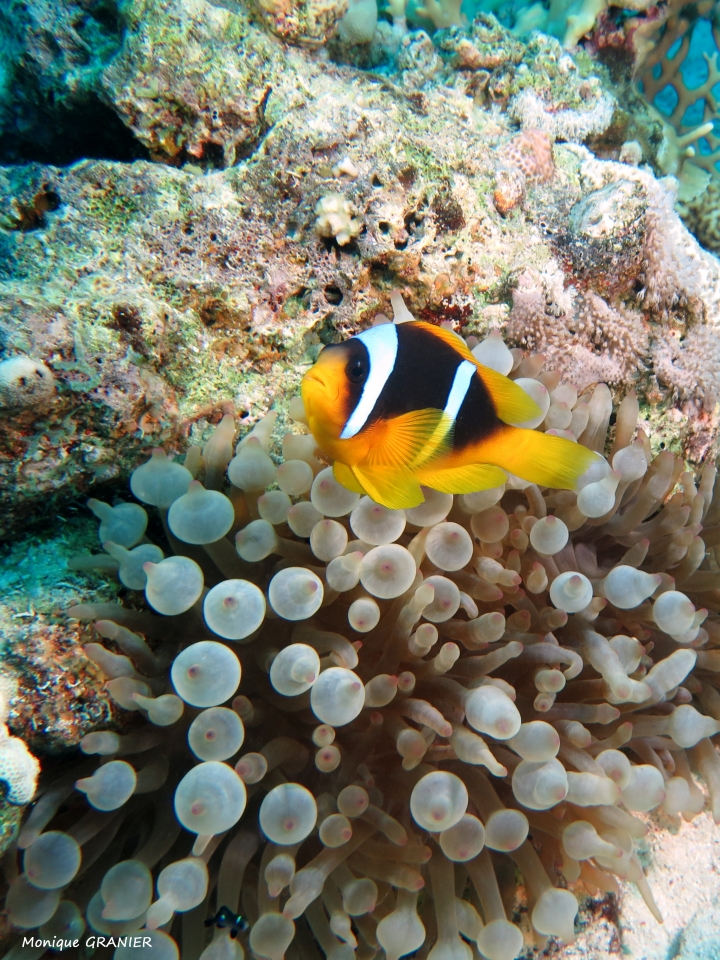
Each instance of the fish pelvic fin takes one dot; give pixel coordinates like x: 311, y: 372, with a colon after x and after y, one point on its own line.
x: 467, y: 479
x: 344, y: 476
x: 406, y: 440
x: 538, y: 458
x: 398, y: 490
x: 512, y: 404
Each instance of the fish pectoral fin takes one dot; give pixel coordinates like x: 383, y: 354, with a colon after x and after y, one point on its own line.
x: 468, y: 479
x: 413, y: 437
x: 344, y: 476
x: 396, y: 489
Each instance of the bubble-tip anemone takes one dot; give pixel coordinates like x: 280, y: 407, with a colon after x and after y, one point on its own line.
x: 464, y: 676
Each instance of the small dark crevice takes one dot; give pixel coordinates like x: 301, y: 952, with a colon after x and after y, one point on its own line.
x: 245, y: 150
x: 213, y: 155
x: 333, y: 295
x: 126, y: 319
x: 213, y: 310
x: 447, y: 212
x: 407, y: 176
x: 31, y: 216
x: 330, y: 245
x: 413, y: 222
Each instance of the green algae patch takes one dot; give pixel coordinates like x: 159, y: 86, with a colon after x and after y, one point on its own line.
x: 34, y: 576
x: 11, y: 816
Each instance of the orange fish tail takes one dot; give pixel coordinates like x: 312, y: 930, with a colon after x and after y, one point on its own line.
x: 538, y: 458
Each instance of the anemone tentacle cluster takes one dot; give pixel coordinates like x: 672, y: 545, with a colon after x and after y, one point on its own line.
x: 347, y: 718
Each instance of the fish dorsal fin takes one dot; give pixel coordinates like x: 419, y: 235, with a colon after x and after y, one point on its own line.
x: 399, y: 442
x: 452, y: 339
x: 344, y: 475
x: 512, y: 404
x: 467, y: 479
x: 398, y: 489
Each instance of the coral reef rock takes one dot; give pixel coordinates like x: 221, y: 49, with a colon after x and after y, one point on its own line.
x: 161, y: 298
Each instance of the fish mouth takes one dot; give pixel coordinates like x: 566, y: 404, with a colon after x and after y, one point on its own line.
x: 331, y: 391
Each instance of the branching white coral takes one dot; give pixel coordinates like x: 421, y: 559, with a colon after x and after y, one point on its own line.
x: 587, y: 338
x: 336, y: 218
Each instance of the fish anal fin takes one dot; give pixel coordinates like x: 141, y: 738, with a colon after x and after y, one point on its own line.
x: 467, y: 479
x: 344, y: 476
x: 411, y: 437
x: 512, y: 404
x: 398, y: 490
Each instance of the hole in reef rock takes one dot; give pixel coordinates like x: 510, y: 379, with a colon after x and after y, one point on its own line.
x: 31, y: 215
x: 333, y: 295
x: 59, y: 135
x: 212, y: 155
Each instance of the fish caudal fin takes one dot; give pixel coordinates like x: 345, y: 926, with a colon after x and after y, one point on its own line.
x: 545, y: 460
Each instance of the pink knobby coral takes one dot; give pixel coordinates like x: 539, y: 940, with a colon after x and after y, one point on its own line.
x: 531, y: 152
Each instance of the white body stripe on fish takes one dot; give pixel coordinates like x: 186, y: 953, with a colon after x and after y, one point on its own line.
x: 459, y: 389
x: 382, y: 347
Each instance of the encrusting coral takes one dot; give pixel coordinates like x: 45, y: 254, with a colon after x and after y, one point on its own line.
x: 358, y: 715
x: 648, y: 313
x: 310, y: 22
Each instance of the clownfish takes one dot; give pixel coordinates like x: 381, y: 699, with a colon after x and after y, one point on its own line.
x: 406, y: 405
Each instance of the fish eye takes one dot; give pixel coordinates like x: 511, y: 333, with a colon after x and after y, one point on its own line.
x: 356, y: 371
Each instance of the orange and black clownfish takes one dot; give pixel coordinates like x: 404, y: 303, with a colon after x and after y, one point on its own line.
x: 404, y: 405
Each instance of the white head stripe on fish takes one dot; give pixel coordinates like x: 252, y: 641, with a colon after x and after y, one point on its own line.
x: 382, y: 347
x: 459, y: 389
